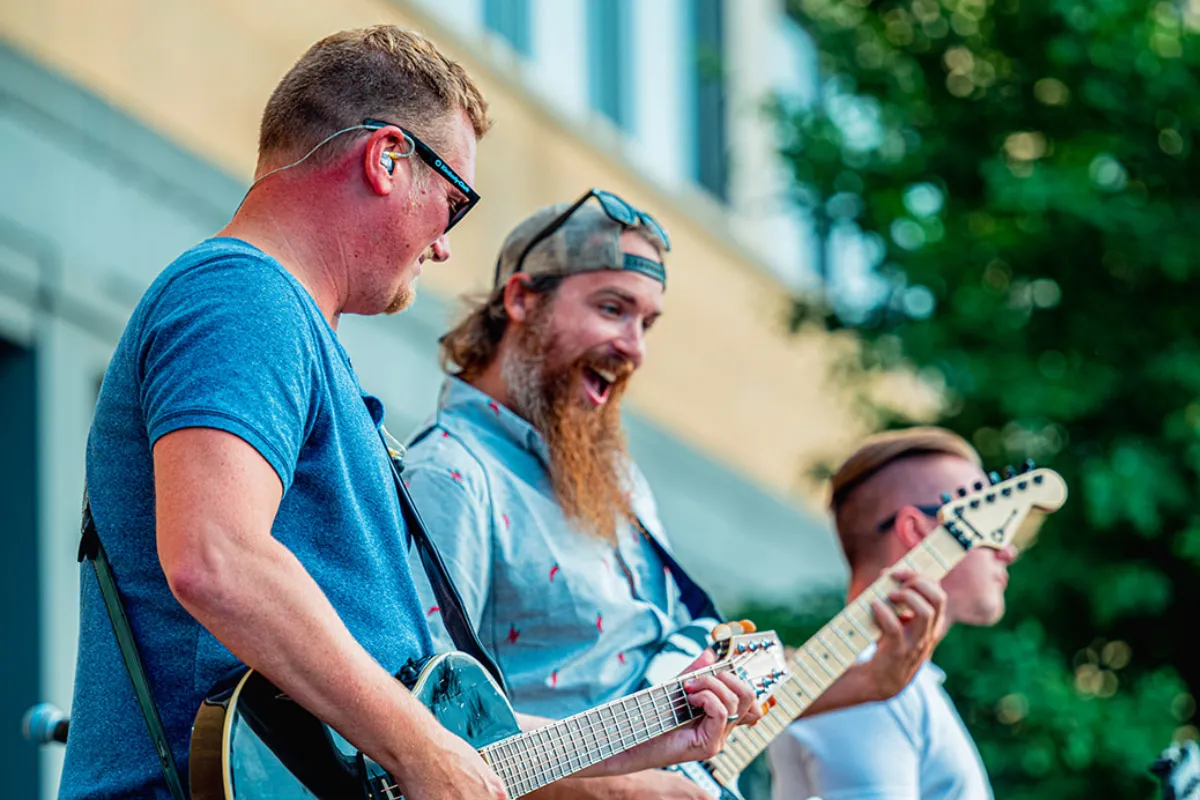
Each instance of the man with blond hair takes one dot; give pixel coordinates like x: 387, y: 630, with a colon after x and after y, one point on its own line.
x: 885, y: 498
x: 237, y: 478
x: 548, y: 527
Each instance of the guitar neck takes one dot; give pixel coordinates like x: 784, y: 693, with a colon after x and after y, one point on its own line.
x: 534, y: 759
x: 828, y: 654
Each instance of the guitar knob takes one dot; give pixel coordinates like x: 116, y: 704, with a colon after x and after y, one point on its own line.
x: 1009, y: 471
x: 1028, y: 465
x: 945, y: 498
x: 994, y: 477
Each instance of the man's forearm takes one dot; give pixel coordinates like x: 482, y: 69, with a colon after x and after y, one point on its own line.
x: 265, y: 607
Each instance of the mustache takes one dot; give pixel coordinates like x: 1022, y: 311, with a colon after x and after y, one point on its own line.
x: 620, y: 367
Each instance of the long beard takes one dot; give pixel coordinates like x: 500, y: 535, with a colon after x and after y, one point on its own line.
x: 588, y: 457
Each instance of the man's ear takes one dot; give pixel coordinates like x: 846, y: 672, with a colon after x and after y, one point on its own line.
x: 519, y: 297
x: 910, y: 526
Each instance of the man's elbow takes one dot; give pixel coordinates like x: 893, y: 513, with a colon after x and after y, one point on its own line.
x: 200, y: 577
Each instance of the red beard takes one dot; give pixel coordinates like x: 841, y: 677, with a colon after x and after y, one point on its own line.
x: 589, y: 464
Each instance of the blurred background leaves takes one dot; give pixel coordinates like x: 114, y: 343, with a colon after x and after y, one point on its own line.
x: 1021, y: 177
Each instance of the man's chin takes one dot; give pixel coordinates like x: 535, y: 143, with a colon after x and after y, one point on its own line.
x: 403, y: 299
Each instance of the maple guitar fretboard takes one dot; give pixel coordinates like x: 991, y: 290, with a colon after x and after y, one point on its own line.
x: 828, y: 654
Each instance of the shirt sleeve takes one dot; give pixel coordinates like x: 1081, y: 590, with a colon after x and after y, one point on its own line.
x: 229, y: 345
x: 860, y: 753
x: 449, y: 490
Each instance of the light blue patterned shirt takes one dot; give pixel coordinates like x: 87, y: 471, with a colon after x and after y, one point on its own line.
x: 572, y: 620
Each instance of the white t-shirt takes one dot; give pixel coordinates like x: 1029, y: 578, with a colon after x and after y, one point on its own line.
x: 912, y: 747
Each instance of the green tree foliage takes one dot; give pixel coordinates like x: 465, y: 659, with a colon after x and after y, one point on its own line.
x: 1023, y: 171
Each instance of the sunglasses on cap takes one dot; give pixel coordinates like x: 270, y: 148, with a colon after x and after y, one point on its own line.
x: 439, y: 165
x: 617, y: 210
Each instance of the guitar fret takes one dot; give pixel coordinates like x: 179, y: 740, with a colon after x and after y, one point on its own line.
x: 820, y: 661
x: 845, y: 640
x: 831, y: 651
x: 800, y: 663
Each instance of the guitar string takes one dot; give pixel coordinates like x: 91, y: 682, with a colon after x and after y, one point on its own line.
x: 549, y: 739
x: 544, y: 740
x: 519, y: 761
x: 926, y: 550
x: 592, y: 716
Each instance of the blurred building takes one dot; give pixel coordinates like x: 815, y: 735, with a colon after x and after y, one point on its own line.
x: 127, y: 132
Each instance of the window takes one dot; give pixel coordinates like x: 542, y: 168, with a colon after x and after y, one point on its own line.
x: 609, y: 53
x: 510, y: 19
x: 710, y: 168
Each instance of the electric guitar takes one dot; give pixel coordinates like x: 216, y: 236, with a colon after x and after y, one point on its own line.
x: 251, y: 742
x: 1179, y: 770
x: 981, y: 516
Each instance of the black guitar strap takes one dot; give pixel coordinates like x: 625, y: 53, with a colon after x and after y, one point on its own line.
x: 454, y: 614
x: 684, y: 644
x: 91, y: 549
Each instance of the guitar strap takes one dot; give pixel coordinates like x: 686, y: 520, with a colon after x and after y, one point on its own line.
x: 454, y: 614
x: 685, y: 644
x: 91, y: 549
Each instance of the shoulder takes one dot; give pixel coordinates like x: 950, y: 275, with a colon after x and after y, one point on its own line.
x: 228, y: 275
x: 438, y: 456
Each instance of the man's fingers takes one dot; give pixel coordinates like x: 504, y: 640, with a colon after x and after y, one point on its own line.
x: 724, y: 695
x: 747, y: 708
x: 919, y: 608
x: 930, y: 589
x: 886, y: 619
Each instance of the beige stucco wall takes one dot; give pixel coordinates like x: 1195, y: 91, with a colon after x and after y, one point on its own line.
x: 722, y: 373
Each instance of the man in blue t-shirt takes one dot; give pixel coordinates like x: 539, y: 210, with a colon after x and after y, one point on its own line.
x: 237, y: 478
x: 235, y: 471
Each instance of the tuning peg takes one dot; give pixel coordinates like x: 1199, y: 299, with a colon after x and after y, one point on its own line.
x: 1027, y: 465
x: 945, y: 498
x: 1009, y: 471
x: 748, y: 626
x: 978, y: 486
x: 994, y: 477
x: 722, y: 632
x: 962, y: 491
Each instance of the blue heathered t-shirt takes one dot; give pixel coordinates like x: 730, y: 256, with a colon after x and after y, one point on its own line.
x: 226, y: 338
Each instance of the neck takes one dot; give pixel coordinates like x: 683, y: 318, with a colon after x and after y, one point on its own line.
x: 294, y: 222
x: 491, y: 382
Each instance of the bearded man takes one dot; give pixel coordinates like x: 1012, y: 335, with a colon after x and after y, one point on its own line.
x: 546, y: 525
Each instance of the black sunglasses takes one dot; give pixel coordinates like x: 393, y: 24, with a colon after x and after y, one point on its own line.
x: 439, y: 166
x: 929, y: 511
x: 617, y: 210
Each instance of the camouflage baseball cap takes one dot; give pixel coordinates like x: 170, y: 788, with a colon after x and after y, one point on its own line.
x: 588, y: 240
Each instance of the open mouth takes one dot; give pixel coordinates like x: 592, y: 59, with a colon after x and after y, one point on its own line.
x: 597, y: 383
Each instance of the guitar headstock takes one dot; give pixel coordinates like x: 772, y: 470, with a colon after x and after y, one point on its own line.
x: 990, y: 515
x: 1179, y: 770
x: 757, y: 658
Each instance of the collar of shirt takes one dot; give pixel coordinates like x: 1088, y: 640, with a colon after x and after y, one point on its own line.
x: 461, y: 400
